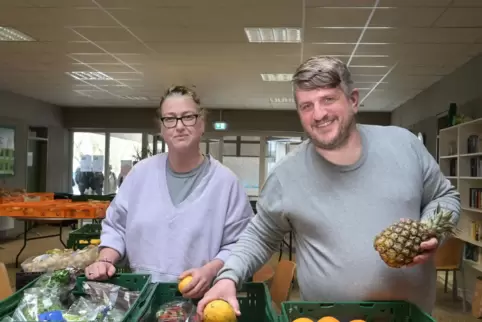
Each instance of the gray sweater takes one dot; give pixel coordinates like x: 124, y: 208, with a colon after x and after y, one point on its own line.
x: 335, y: 213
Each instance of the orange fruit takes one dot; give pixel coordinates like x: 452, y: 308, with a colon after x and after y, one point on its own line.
x: 358, y: 320
x: 219, y: 311
x: 184, y: 282
x: 303, y: 320
x: 328, y: 319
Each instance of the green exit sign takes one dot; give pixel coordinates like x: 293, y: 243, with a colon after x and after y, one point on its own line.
x: 220, y: 126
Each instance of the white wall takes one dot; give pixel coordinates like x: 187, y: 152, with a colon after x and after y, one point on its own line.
x: 462, y: 87
x: 21, y: 112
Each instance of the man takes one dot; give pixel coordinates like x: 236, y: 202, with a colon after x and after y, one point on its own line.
x: 336, y: 192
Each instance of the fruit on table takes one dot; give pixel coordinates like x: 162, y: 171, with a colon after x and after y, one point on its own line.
x: 303, y: 320
x: 398, y: 244
x: 219, y: 311
x: 184, y: 282
x: 328, y: 319
x: 89, y: 242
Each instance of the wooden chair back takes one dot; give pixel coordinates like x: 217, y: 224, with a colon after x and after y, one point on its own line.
x: 449, y: 255
x: 282, y: 281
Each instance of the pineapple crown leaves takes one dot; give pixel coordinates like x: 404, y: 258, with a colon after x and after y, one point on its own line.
x: 440, y: 223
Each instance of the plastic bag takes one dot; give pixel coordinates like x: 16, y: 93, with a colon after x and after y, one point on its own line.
x: 115, y: 295
x: 177, y: 311
x: 59, y: 259
x: 47, y: 295
x: 36, y: 301
x: 45, y: 262
x: 83, y: 310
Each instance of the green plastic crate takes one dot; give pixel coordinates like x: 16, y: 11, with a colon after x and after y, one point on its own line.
x: 84, y: 198
x: 87, y: 233
x: 254, y: 301
x: 393, y: 311
x: 84, y: 233
x: 133, y: 282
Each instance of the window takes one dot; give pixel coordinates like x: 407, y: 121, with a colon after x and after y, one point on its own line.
x: 125, y: 152
x: 88, y: 163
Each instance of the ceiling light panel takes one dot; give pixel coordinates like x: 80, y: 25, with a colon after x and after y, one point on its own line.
x: 351, y: 43
x: 352, y: 27
x: 89, y: 76
x: 135, y: 98
x: 10, y: 34
x: 281, y: 100
x: 276, y: 77
x: 273, y: 35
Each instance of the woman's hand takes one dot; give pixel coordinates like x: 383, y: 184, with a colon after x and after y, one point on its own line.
x: 101, y: 270
x: 202, y: 278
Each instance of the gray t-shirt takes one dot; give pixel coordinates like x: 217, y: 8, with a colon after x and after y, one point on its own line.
x: 181, y: 184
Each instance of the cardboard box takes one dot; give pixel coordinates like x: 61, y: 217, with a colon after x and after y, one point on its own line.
x: 477, y: 299
x: 5, y: 288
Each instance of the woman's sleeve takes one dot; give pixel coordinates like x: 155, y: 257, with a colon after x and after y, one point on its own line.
x: 239, y: 214
x: 114, y: 224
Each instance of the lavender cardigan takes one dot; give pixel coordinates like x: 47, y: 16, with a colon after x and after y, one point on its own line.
x: 162, y: 239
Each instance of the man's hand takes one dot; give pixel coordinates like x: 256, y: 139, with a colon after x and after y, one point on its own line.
x: 200, y: 283
x: 224, y: 289
x: 429, y: 248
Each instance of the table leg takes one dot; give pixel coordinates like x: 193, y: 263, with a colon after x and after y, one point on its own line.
x: 25, y: 229
x: 60, y: 236
x: 29, y: 228
x: 280, y: 251
x: 290, y: 246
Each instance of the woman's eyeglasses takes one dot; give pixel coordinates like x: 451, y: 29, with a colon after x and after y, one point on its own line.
x: 187, y: 120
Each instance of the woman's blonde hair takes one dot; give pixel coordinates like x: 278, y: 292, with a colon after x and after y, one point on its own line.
x: 179, y: 90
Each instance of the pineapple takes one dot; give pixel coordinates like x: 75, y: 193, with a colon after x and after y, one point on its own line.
x: 400, y: 243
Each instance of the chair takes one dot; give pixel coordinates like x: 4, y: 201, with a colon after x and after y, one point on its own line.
x: 449, y: 258
x: 264, y: 274
x: 282, y: 282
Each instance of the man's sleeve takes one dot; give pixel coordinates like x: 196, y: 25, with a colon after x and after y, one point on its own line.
x: 262, y: 236
x: 437, y: 189
x: 238, y: 216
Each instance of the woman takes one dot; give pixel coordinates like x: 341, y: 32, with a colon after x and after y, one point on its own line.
x: 178, y: 213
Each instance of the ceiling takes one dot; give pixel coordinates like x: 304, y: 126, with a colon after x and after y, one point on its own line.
x: 395, y: 48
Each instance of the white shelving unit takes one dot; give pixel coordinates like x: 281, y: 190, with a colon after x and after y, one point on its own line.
x: 463, y: 167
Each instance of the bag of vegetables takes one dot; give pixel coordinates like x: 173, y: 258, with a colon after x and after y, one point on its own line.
x: 56, y: 259
x: 51, y: 299
x: 46, y: 295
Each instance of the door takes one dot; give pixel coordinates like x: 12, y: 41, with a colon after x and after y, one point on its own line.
x: 37, y: 165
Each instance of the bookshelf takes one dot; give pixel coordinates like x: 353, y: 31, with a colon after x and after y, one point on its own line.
x: 460, y: 160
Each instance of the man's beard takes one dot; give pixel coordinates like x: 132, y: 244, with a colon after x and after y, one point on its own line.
x: 340, y: 139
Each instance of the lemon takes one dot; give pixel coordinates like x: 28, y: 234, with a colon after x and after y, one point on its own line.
x: 184, y: 282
